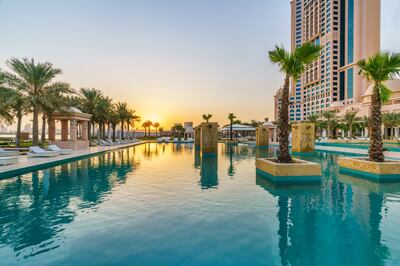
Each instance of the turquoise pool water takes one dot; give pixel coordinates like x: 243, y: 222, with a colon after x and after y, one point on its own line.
x: 162, y: 204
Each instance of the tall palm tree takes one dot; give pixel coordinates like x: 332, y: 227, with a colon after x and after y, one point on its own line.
x: 231, y: 118
x: 149, y: 125
x: 123, y: 112
x: 13, y: 104
x: 31, y: 79
x: 378, y: 69
x: 131, y: 119
x: 156, y: 125
x: 349, y: 119
x: 145, y: 125
x: 102, y: 111
x: 89, y: 100
x: 114, y: 120
x: 293, y: 66
x: 391, y: 120
x: 330, y: 118
x: 207, y: 117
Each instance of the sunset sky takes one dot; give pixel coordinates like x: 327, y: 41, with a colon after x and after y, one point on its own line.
x: 171, y: 60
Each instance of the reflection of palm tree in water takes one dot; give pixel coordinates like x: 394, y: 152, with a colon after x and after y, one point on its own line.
x: 231, y: 168
x: 35, y: 211
x: 309, y: 236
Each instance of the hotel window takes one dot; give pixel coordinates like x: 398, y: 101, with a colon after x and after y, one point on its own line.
x: 350, y: 54
x: 350, y: 83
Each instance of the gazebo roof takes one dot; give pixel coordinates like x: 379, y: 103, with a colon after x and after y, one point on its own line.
x: 238, y: 127
x: 71, y: 113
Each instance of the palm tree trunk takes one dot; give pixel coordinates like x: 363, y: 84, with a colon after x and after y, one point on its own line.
x: 104, y: 130
x: 230, y: 131
x: 350, y: 131
x: 113, y: 132
x: 122, y: 130
x: 18, y: 134
x: 376, y: 146
x: 283, y: 124
x: 89, y: 130
x: 127, y: 129
x: 35, y: 127
x: 43, y: 129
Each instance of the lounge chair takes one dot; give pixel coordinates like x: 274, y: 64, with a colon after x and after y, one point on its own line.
x: 61, y: 151
x: 4, y: 153
x: 8, y: 160
x: 36, y: 151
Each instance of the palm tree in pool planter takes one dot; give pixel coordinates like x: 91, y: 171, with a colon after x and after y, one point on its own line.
x: 231, y: 118
x: 293, y: 66
x: 207, y: 117
x: 378, y: 69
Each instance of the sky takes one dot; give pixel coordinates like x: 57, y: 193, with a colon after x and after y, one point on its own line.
x: 170, y: 60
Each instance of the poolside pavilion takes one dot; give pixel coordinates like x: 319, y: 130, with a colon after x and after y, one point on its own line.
x: 74, y: 129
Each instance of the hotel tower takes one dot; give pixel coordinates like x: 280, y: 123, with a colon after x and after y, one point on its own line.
x: 348, y: 30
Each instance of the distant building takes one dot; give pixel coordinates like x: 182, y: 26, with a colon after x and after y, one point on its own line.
x: 27, y: 128
x: 348, y: 31
x: 189, y: 131
x: 3, y: 129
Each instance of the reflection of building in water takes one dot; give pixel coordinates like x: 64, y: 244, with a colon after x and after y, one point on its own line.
x: 316, y: 223
x: 43, y: 202
x: 209, y: 172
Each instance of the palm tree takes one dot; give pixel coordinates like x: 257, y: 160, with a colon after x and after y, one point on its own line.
x: 114, y: 120
x: 314, y: 119
x: 391, y: 120
x: 13, y: 105
x: 293, y: 66
x: 364, y: 123
x: 102, y: 111
x: 31, y: 79
x: 207, y: 117
x: 330, y: 118
x: 149, y: 124
x: 131, y: 119
x: 123, y: 112
x: 145, y: 125
x: 161, y: 130
x: 378, y: 69
x: 349, y: 118
x: 89, y: 100
x: 231, y: 117
x: 156, y: 125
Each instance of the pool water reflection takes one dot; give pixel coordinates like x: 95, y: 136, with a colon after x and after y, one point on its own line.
x: 165, y: 204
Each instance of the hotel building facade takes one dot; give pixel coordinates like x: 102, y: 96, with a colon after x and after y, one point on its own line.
x: 348, y: 31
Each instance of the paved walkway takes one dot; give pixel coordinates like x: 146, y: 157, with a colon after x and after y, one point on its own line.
x: 27, y: 164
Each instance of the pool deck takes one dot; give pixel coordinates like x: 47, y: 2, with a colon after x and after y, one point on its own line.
x: 27, y: 164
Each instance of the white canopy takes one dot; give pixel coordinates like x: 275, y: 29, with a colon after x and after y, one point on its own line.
x: 238, y: 127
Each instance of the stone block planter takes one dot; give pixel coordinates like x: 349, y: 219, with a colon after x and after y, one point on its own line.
x: 388, y: 171
x: 298, y: 171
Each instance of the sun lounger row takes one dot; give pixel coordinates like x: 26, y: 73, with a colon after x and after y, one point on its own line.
x: 117, y: 142
x: 11, y: 157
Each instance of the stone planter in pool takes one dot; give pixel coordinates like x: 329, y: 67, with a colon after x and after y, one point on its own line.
x: 298, y: 171
x: 387, y: 171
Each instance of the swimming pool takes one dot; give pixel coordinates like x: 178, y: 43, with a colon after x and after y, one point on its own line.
x: 164, y: 204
